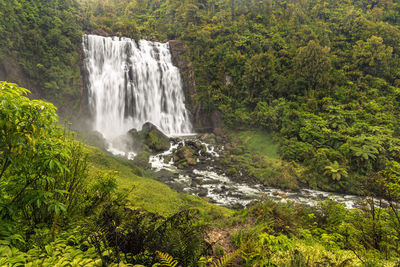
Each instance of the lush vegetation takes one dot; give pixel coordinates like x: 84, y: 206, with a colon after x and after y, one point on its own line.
x: 319, y: 78
x: 322, y: 77
x: 63, y: 203
x: 61, y: 200
x: 43, y: 37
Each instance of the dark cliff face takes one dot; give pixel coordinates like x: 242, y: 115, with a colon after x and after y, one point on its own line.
x: 202, y: 122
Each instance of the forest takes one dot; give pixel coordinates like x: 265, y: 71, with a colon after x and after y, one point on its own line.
x: 321, y: 79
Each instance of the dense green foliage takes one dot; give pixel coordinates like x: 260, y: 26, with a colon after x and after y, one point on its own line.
x: 322, y: 76
x: 289, y: 235
x: 44, y: 38
x: 60, y: 204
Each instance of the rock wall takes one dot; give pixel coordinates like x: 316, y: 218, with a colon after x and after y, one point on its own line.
x: 202, y: 122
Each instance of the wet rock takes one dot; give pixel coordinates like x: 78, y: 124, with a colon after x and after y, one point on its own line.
x: 201, y: 181
x: 164, y: 175
x: 197, y: 181
x: 174, y: 140
x: 184, y: 155
x: 202, y: 192
x: 217, y: 190
x: 167, y: 159
x: 156, y: 140
x: 196, y: 145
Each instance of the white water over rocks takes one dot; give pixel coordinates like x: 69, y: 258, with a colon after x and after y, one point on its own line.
x: 222, y: 190
x: 132, y: 83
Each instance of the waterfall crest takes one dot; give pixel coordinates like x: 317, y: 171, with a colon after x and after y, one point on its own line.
x: 132, y: 83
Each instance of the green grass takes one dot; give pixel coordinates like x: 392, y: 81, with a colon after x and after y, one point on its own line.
x: 148, y: 193
x: 257, y: 141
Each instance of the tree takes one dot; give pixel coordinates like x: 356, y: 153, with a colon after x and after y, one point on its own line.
x: 313, y: 64
x: 259, y: 76
x: 372, y: 56
x: 389, y: 183
x: 335, y: 171
x: 41, y: 169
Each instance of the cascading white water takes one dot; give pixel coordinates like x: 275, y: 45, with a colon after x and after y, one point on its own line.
x: 130, y: 84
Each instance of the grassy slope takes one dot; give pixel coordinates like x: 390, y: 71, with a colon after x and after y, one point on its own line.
x: 262, y: 159
x: 148, y: 193
x: 258, y: 141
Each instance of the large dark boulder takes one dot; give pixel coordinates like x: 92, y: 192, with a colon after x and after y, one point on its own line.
x: 153, y: 138
x: 149, y: 139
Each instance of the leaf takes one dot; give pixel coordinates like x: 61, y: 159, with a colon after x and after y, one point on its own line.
x: 49, y: 250
x: 51, y: 164
x: 166, y: 259
x: 227, y: 259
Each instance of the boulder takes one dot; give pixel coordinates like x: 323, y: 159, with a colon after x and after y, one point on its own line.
x: 196, y: 145
x: 156, y: 140
x: 133, y: 141
x: 185, y: 155
x: 149, y: 139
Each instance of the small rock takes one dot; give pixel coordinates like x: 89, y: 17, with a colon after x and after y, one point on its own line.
x: 202, y: 192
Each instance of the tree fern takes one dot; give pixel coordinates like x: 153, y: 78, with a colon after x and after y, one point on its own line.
x: 167, y: 260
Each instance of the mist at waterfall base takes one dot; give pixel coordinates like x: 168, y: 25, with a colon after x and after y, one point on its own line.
x: 130, y: 83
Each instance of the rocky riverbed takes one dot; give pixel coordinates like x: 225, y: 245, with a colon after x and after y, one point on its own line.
x: 191, y: 166
x: 202, y: 165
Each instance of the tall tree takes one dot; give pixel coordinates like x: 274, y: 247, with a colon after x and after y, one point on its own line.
x: 313, y: 63
x: 372, y: 56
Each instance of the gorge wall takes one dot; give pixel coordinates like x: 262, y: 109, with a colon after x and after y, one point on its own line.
x: 202, y: 122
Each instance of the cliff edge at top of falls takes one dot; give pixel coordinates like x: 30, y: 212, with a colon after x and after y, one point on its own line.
x: 202, y: 122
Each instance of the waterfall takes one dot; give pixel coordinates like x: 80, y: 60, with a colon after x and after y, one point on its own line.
x: 132, y: 83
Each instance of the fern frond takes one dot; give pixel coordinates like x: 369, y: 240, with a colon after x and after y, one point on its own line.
x: 227, y: 259
x: 166, y: 259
